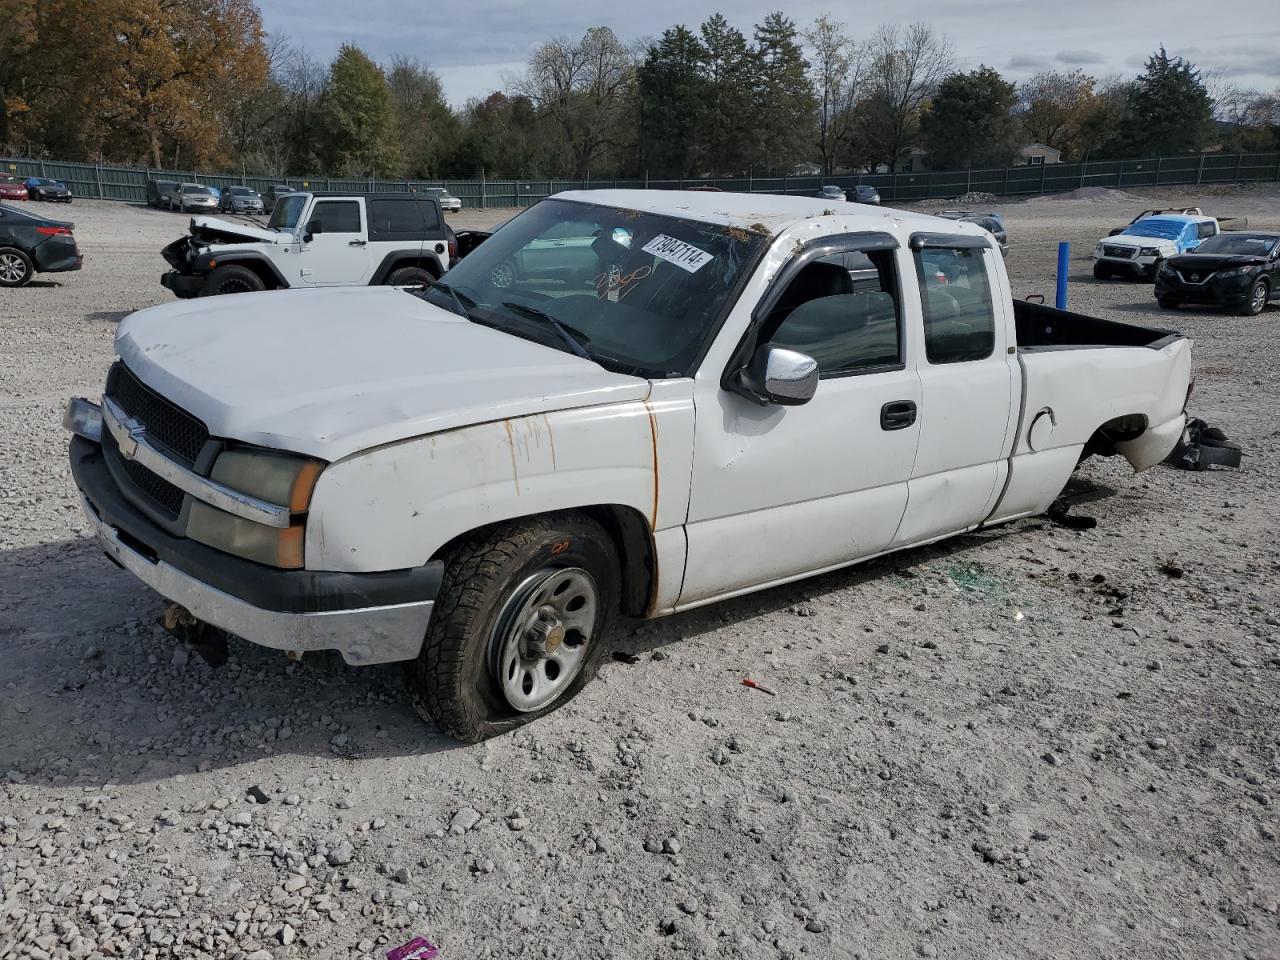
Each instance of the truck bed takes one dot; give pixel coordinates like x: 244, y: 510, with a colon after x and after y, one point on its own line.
x: 1041, y: 328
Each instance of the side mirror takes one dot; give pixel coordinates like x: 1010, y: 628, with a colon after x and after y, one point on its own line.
x: 778, y: 375
x: 313, y: 227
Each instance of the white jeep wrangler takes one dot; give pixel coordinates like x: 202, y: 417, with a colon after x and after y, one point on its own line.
x: 315, y: 240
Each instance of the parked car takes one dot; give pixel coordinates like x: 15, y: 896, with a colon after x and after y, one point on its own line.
x: 314, y: 239
x: 216, y: 193
x: 1172, y: 211
x: 1140, y: 249
x: 31, y: 244
x: 862, y: 193
x: 41, y: 188
x: 367, y: 471
x: 241, y: 200
x: 12, y: 188
x: 448, y: 202
x: 185, y: 197
x: 158, y: 192
x: 1238, y: 270
x: 831, y: 192
x: 274, y: 194
x: 990, y: 221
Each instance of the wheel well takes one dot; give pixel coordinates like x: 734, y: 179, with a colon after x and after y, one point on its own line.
x: 1114, y: 431
x: 264, y: 273
x: 427, y: 263
x: 632, y: 541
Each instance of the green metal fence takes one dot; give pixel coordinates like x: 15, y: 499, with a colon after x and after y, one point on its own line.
x: 111, y: 182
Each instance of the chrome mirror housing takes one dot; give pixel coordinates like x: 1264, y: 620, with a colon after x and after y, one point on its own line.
x: 781, y: 376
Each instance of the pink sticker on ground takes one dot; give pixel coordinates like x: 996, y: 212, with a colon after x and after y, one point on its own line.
x: 418, y: 948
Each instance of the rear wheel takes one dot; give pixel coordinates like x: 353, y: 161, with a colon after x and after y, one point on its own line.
x: 518, y: 626
x: 1101, y: 272
x: 1256, y: 302
x: 409, y: 277
x: 231, y: 279
x: 16, y: 267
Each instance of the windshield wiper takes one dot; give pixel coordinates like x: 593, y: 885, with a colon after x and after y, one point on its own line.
x: 574, y: 338
x: 454, y: 295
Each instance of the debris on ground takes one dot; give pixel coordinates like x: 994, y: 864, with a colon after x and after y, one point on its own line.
x: 1202, y: 446
x: 748, y: 682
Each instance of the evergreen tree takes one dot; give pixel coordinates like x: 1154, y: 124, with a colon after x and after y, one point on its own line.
x: 672, y: 103
x: 785, y: 104
x: 728, y: 115
x: 1170, y: 109
x: 970, y: 122
x: 356, y: 118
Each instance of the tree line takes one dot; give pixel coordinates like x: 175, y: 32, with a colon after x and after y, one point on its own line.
x: 201, y: 84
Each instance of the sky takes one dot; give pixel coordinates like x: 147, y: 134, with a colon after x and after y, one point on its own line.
x: 476, y: 44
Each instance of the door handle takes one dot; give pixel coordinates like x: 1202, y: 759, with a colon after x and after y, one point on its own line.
x: 355, y: 243
x: 897, y: 415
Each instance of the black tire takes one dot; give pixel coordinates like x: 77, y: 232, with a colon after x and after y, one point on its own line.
x: 409, y: 277
x: 16, y: 267
x: 1100, y: 272
x: 455, y: 681
x: 1167, y: 304
x: 1256, y: 302
x: 1155, y: 269
x: 232, y: 278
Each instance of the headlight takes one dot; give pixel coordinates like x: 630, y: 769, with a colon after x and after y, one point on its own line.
x: 1237, y: 271
x: 1167, y: 268
x: 277, y: 478
x: 1149, y: 252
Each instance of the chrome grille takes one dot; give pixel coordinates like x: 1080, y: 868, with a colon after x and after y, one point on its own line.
x: 166, y: 424
x: 160, y: 493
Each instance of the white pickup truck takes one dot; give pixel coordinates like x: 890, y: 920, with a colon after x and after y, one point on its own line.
x: 683, y: 397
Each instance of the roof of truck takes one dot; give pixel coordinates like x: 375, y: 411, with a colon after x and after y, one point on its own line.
x: 750, y: 211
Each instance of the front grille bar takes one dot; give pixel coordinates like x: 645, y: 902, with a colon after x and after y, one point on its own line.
x: 132, y: 442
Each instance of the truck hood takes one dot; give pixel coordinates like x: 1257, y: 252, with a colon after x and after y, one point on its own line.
x: 1131, y: 240
x: 217, y: 230
x: 329, y: 373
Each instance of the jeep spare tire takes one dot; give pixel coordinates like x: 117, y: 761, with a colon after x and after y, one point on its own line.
x: 232, y: 278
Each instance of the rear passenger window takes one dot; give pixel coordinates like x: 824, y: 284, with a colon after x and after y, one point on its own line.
x: 338, y: 216
x: 842, y: 310
x: 401, y: 219
x: 1204, y: 230
x: 959, y: 319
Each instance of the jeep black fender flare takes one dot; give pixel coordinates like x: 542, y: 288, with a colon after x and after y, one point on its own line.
x: 427, y: 257
x: 256, y: 262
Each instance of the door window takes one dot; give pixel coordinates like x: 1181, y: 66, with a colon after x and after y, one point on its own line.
x: 338, y: 216
x: 1204, y: 230
x: 955, y: 293
x: 842, y: 311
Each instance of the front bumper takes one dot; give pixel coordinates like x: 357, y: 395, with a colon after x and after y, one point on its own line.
x: 1138, y: 266
x: 1229, y: 291
x: 368, y: 618
x: 183, y: 285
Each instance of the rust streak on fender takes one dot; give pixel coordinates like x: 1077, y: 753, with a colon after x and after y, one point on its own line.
x: 511, y: 445
x: 551, y: 439
x: 653, y: 434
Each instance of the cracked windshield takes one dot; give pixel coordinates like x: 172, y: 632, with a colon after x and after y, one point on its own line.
x: 635, y: 292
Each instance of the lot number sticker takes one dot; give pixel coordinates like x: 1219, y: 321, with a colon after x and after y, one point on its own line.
x: 684, y: 255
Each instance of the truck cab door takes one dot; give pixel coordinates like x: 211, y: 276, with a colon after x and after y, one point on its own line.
x: 337, y: 253
x: 970, y: 387
x: 778, y: 492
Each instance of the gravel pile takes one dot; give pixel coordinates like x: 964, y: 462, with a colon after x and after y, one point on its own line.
x: 1028, y: 742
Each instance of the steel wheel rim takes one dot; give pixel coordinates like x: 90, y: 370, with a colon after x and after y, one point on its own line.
x: 11, y: 268
x: 1259, y: 298
x: 542, y: 636
x: 503, y: 276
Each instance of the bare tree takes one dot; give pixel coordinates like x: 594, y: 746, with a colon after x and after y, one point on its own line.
x: 838, y: 70
x: 582, y: 88
x: 905, y: 67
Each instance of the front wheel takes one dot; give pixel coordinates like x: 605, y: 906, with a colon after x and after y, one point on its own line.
x: 1166, y: 303
x: 518, y: 626
x: 1100, y: 272
x: 16, y: 267
x: 409, y: 277
x: 231, y: 278
x: 1256, y: 302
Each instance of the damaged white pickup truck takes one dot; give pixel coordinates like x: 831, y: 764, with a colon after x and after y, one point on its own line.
x: 621, y: 403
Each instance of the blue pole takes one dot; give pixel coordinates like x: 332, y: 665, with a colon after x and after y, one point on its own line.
x: 1064, y: 255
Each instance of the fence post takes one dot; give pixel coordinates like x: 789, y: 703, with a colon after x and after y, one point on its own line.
x: 483, y: 198
x: 1044, y: 168
x: 968, y: 179
x: 1239, y: 160
x: 786, y: 191
x: 646, y: 178
x: 1159, y: 165
x: 751, y: 180
x: 97, y: 176
x: 1006, y: 182
x: 42, y: 166
x: 1200, y: 170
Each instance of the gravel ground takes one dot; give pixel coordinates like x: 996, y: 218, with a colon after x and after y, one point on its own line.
x: 1030, y: 742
